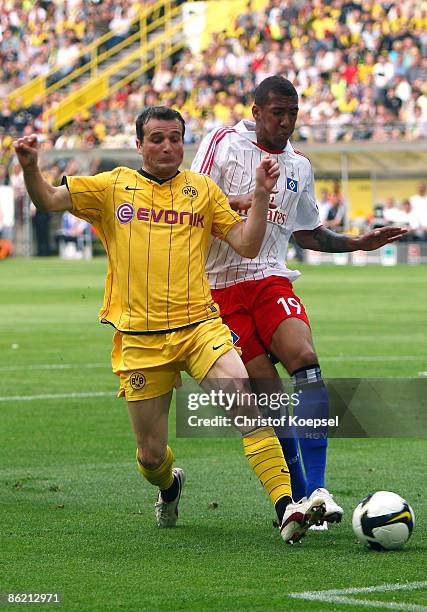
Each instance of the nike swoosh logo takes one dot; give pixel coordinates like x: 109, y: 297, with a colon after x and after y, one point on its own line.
x: 133, y: 188
x: 215, y: 348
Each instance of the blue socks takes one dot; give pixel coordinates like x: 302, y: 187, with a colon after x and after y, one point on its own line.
x: 313, y: 404
x: 296, y: 472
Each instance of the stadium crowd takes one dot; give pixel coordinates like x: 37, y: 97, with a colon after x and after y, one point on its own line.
x: 360, y: 68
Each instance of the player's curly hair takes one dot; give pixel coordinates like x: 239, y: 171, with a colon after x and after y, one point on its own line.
x: 157, y: 112
x: 276, y: 85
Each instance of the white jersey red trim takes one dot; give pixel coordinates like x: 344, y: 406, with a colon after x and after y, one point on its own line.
x: 230, y: 156
x: 208, y: 158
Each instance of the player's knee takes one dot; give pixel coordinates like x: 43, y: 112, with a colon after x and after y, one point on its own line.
x: 305, y: 357
x: 261, y: 367
x: 150, y: 456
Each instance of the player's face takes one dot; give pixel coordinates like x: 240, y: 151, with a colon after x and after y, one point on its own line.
x: 275, y: 120
x: 162, y: 149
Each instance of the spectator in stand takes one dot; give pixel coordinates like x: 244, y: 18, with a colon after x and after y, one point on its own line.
x: 162, y: 77
x: 392, y: 102
x: 348, y: 105
x: 412, y: 222
x: 73, y: 231
x: 66, y: 55
x: 418, y: 203
x: 403, y: 89
x: 116, y: 139
x: 351, y: 70
x: 422, y: 100
x: 336, y: 214
x: 121, y: 23
x: 392, y: 214
x: 417, y: 71
x: 416, y: 126
x: 336, y: 127
x: 324, y: 205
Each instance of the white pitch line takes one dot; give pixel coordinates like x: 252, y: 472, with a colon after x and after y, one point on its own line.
x: 352, y: 358
x: 365, y: 337
x: 335, y: 358
x: 371, y: 603
x: 341, y: 596
x: 52, y: 366
x: 54, y: 396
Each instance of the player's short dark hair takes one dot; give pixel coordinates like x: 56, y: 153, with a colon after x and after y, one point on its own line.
x: 157, y: 112
x: 273, y: 85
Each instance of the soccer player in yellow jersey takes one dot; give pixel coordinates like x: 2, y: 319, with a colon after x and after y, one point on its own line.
x: 155, y: 225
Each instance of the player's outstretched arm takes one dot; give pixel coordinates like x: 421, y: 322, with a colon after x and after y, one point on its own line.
x: 323, y: 239
x: 246, y: 238
x: 44, y: 196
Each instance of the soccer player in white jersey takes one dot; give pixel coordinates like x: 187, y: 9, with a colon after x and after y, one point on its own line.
x: 256, y: 296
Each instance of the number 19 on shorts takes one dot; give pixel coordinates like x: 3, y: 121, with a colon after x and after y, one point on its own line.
x: 291, y: 305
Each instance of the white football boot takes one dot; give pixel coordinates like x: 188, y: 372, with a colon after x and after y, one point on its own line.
x: 299, y: 517
x: 333, y: 513
x: 167, y: 512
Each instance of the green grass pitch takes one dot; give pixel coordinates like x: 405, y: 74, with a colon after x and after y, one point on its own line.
x: 77, y: 519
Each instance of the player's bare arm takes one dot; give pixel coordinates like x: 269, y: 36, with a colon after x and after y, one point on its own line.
x: 246, y: 238
x: 43, y: 195
x: 327, y: 241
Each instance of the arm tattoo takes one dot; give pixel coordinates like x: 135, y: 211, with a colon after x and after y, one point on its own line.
x: 328, y: 241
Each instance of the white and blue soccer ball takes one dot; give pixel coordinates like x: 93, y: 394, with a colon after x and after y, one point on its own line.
x: 383, y: 521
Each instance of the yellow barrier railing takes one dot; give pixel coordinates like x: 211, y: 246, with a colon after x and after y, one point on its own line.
x: 98, y: 88
x: 98, y: 52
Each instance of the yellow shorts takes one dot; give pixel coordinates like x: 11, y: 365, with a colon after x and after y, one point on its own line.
x: 149, y: 364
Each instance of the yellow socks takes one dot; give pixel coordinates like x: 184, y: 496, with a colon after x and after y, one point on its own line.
x: 161, y: 476
x: 264, y: 453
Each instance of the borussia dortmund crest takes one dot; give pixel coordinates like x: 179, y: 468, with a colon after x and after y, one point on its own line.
x: 190, y: 191
x: 137, y: 380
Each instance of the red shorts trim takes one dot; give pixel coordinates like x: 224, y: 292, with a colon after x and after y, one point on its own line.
x: 253, y: 310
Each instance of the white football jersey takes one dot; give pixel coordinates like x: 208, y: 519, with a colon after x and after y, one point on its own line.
x: 230, y: 156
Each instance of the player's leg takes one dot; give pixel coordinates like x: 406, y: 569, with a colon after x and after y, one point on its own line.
x: 260, y: 444
x: 265, y: 379
x: 292, y: 343
x: 147, y: 383
x: 149, y: 419
x: 265, y: 456
x: 286, y: 333
x: 237, y: 304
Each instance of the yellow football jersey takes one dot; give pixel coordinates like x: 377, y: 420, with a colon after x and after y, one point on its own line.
x: 156, y: 236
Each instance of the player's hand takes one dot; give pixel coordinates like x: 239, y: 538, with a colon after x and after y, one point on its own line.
x: 379, y: 237
x: 267, y: 173
x: 241, y: 202
x: 245, y: 201
x: 26, y: 150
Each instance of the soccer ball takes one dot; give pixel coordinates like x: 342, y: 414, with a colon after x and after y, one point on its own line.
x: 383, y: 521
